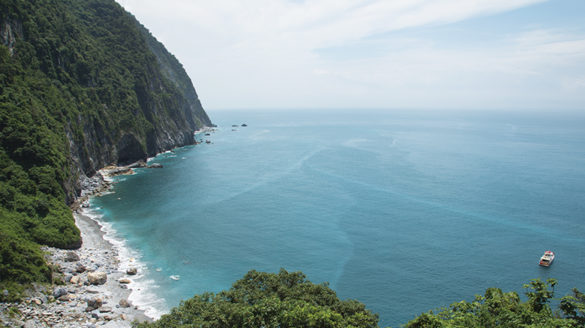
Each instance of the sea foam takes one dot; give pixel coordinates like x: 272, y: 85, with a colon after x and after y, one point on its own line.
x: 143, y: 289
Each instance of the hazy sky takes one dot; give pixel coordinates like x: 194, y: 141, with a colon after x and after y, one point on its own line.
x: 502, y: 54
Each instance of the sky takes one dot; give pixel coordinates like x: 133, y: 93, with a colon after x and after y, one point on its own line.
x: 376, y: 54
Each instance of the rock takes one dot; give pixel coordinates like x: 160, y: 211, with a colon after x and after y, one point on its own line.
x: 124, y: 303
x: 155, y: 166
x: 58, y: 292
x: 30, y: 324
x: 66, y: 298
x: 71, y: 257
x: 75, y: 280
x: 18, y: 323
x: 140, y: 163
x: 132, y: 271
x: 97, y: 278
x: 94, y: 303
x: 124, y: 281
x: 80, y: 268
x: 37, y: 301
x: 105, y: 309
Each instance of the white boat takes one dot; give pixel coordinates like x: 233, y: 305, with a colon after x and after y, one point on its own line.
x: 175, y: 277
x: 547, y: 258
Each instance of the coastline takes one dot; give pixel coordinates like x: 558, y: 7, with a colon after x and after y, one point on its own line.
x: 93, y: 286
x: 77, y: 298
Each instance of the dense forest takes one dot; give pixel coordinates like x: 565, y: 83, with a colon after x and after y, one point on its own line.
x: 82, y: 85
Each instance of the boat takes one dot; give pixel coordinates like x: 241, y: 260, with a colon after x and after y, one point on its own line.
x: 547, y: 258
x: 175, y: 277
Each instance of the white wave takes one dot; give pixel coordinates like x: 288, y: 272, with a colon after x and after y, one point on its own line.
x: 143, y: 289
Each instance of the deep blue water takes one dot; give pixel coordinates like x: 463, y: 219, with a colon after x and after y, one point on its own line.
x: 404, y: 211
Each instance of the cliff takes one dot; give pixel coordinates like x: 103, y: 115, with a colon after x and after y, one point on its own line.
x: 82, y: 85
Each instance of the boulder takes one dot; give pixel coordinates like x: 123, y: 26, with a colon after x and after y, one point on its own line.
x: 74, y: 280
x: 132, y: 271
x: 80, y: 268
x: 155, y: 166
x: 71, y: 257
x: 93, y: 304
x: 124, y: 303
x: 97, y: 278
x: 66, y: 298
x: 58, y: 292
x: 124, y: 281
x: 105, y: 309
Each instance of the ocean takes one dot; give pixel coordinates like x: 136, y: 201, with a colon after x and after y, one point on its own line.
x: 405, y: 211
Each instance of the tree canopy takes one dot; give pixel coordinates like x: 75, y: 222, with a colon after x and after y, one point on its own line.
x: 288, y: 299
x: 259, y: 299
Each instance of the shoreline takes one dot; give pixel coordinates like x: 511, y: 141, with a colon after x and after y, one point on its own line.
x: 96, y: 287
x: 97, y: 282
x: 95, y: 290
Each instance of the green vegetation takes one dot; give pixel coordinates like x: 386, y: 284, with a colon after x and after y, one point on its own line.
x: 499, y: 309
x: 82, y: 85
x: 290, y: 300
x: 269, y: 300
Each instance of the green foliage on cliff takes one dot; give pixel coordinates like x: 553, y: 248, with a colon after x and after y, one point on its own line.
x: 269, y: 300
x: 82, y: 85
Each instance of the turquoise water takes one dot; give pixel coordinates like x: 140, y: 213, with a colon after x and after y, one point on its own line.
x: 404, y: 211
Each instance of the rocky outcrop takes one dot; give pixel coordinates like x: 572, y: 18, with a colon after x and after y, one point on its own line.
x: 10, y: 30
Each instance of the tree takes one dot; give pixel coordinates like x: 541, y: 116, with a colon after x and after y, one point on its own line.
x: 498, y: 309
x: 259, y: 299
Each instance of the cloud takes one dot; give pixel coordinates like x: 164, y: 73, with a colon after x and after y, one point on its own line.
x: 342, y: 53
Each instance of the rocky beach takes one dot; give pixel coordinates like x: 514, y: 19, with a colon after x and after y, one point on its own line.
x: 91, y: 286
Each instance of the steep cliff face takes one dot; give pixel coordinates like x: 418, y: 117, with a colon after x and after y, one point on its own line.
x: 163, y: 100
x: 82, y: 85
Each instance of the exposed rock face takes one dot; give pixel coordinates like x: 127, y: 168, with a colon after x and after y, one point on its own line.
x: 9, y: 31
x: 164, y: 107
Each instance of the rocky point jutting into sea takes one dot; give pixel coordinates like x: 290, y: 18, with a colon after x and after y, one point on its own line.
x: 84, y: 86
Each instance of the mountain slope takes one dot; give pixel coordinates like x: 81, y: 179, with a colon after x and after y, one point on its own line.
x: 82, y: 85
